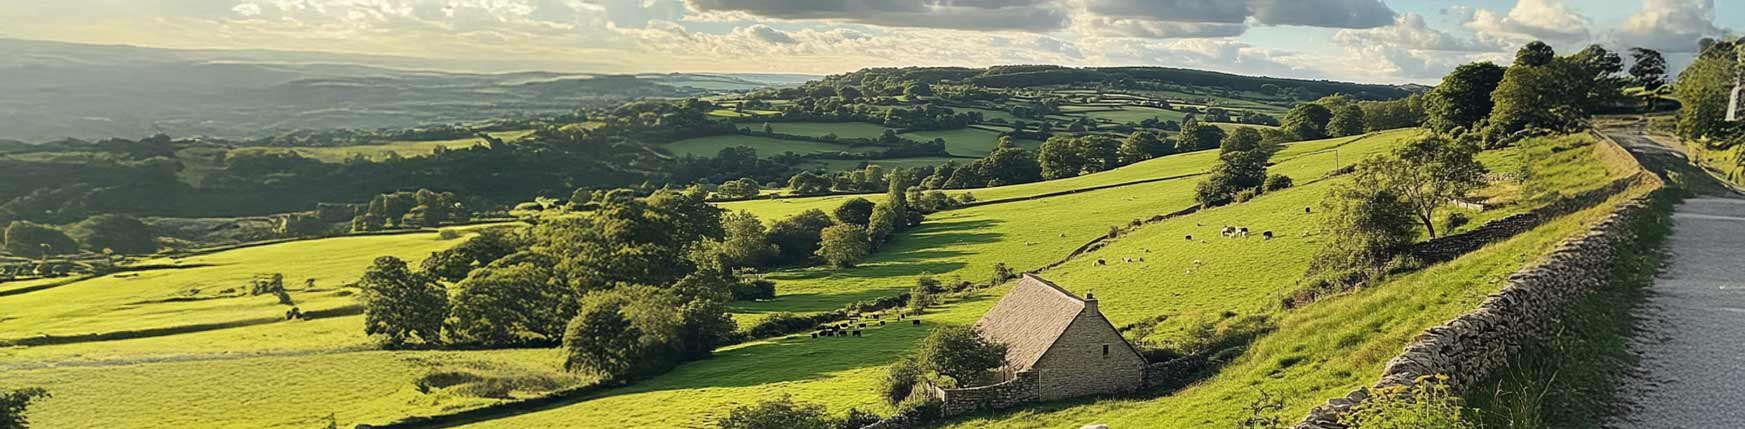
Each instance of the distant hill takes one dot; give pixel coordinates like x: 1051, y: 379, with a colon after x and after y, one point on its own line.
x: 59, y: 90
x: 1044, y: 75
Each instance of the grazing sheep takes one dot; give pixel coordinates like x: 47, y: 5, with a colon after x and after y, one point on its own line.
x: 1030, y: 243
x: 1127, y: 260
x: 1267, y: 235
x: 1227, y: 231
x: 1196, y: 262
x: 1101, y: 262
x: 1141, y: 259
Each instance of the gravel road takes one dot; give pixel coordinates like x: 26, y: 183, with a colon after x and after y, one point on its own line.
x: 1691, y: 341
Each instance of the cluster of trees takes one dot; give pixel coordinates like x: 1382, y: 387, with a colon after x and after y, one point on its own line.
x: 13, y: 404
x: 845, y: 109
x: 1241, y: 170
x: 1705, y: 88
x: 106, y: 233
x: 423, y: 208
x: 1539, y: 93
x: 1007, y: 164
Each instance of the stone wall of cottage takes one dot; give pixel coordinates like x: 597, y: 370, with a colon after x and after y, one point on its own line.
x: 1023, y: 387
x: 1477, y: 343
x: 1077, y: 364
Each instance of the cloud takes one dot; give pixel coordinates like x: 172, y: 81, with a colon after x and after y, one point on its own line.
x: 1021, y: 15
x: 1174, y: 11
x: 767, y: 34
x: 1547, y: 20
x: 1324, y: 13
x: 1409, y: 31
x: 1670, y: 25
x: 1123, y: 27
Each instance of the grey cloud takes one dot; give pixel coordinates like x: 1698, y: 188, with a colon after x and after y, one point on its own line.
x: 1177, y: 11
x: 1324, y: 13
x: 1024, y: 15
x: 1118, y: 27
x: 768, y: 34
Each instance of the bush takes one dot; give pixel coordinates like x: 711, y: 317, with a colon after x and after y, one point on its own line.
x: 856, y: 211
x: 632, y: 331
x: 31, y: 240
x: 1457, y: 220
x: 782, y: 413
x: 1278, y: 181
x: 900, y: 379
x: 960, y: 353
x: 797, y: 237
x: 754, y: 289
x: 1427, y: 404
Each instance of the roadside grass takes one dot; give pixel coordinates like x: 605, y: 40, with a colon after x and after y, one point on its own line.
x: 377, y: 152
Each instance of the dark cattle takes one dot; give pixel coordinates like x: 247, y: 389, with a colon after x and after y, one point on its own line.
x: 1190, y: 238
x: 1101, y: 262
x: 814, y: 335
x: 1305, y: 210
x: 881, y: 323
x: 857, y: 332
x: 917, y: 322
x: 875, y: 317
x: 1267, y: 235
x: 863, y: 325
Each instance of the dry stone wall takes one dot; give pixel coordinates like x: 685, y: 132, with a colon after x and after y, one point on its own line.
x: 1473, y: 345
x: 1447, y: 248
x: 1023, y: 387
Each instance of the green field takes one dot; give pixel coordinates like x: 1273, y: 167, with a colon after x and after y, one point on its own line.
x: 382, y: 151
x: 846, y: 130
x: 705, y: 147
x: 968, y: 141
x: 1136, y: 114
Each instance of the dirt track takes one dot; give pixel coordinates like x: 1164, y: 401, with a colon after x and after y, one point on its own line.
x: 1691, y: 339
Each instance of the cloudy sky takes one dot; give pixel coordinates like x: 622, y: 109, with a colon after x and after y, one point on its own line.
x: 1388, y: 41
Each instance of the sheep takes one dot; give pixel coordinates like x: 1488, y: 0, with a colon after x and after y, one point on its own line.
x: 1101, y: 262
x: 1190, y: 237
x: 1196, y: 262
x: 1127, y: 260
x: 1242, y: 232
x: 1227, y: 231
x: 1267, y: 235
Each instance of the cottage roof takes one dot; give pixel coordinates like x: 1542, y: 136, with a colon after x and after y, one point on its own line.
x: 1029, y: 319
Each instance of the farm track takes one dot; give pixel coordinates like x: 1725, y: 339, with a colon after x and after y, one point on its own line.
x: 1690, y: 332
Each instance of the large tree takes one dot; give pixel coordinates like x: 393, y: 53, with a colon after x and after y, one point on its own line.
x: 511, y: 305
x: 1241, y: 167
x: 1705, y: 89
x: 13, y: 403
x: 1347, y: 121
x: 855, y: 211
x: 1307, y: 121
x: 629, y: 240
x: 960, y: 352
x: 1463, y: 98
x: 400, y: 304
x: 1371, y: 224
x: 1648, y: 68
x: 1430, y: 173
x: 844, y: 245
x: 797, y: 237
x: 1553, y: 94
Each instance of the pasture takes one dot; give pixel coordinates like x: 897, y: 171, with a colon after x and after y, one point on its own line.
x: 385, y: 150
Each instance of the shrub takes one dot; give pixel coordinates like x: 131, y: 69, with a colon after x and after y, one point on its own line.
x: 960, y: 353
x: 781, y: 413
x: 1457, y: 220
x: 1427, y: 404
x: 900, y: 379
x: 1278, y: 181
x: 631, y: 331
x: 753, y: 289
x: 797, y: 237
x: 856, y: 211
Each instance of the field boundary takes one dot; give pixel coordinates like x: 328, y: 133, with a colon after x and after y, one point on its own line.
x: 1478, y: 342
x: 52, y: 340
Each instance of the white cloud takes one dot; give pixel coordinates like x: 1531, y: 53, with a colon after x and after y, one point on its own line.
x: 1670, y: 25
x: 247, y: 9
x: 1551, y: 21
x: 1409, y: 31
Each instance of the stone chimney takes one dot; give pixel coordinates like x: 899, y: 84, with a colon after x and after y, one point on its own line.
x: 1091, y: 301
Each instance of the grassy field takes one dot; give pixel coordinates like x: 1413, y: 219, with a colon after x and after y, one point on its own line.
x: 766, y: 146
x: 845, y: 130
x: 382, y: 151
x: 959, y: 243
x: 968, y: 141
x: 1136, y: 114
x: 261, y: 372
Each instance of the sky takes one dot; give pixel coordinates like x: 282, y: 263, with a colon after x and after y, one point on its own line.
x: 1379, y: 41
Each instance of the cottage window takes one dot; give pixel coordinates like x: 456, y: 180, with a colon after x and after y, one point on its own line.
x: 1105, y: 350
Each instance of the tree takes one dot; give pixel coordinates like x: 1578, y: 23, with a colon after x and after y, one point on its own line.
x: 849, y: 93
x: 1142, y: 145
x: 1705, y: 88
x: 797, y: 237
x: 1241, y: 167
x: 32, y: 240
x: 808, y: 183
x: 854, y: 211
x: 746, y: 244
x: 739, y: 189
x: 1347, y: 121
x: 781, y: 413
x: 1198, y: 136
x: 918, y: 89
x: 1463, y: 98
x: 883, y: 223
x: 1063, y: 156
x: 13, y: 404
x: 1391, y: 114
x: 844, y: 245
x: 1535, y: 54
x: 959, y: 352
x: 1429, y: 173
x: 601, y: 339
x: 120, y: 233
x: 400, y: 304
x: 516, y: 304
x: 1004, y: 166
x: 627, y: 240
x: 1372, y: 224
x: 1649, y: 68
x: 1553, y: 95
x: 1306, y: 121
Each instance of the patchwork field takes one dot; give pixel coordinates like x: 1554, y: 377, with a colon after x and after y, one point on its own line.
x: 384, y: 150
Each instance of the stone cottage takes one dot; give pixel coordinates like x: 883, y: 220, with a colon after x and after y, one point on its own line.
x: 1059, y: 346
